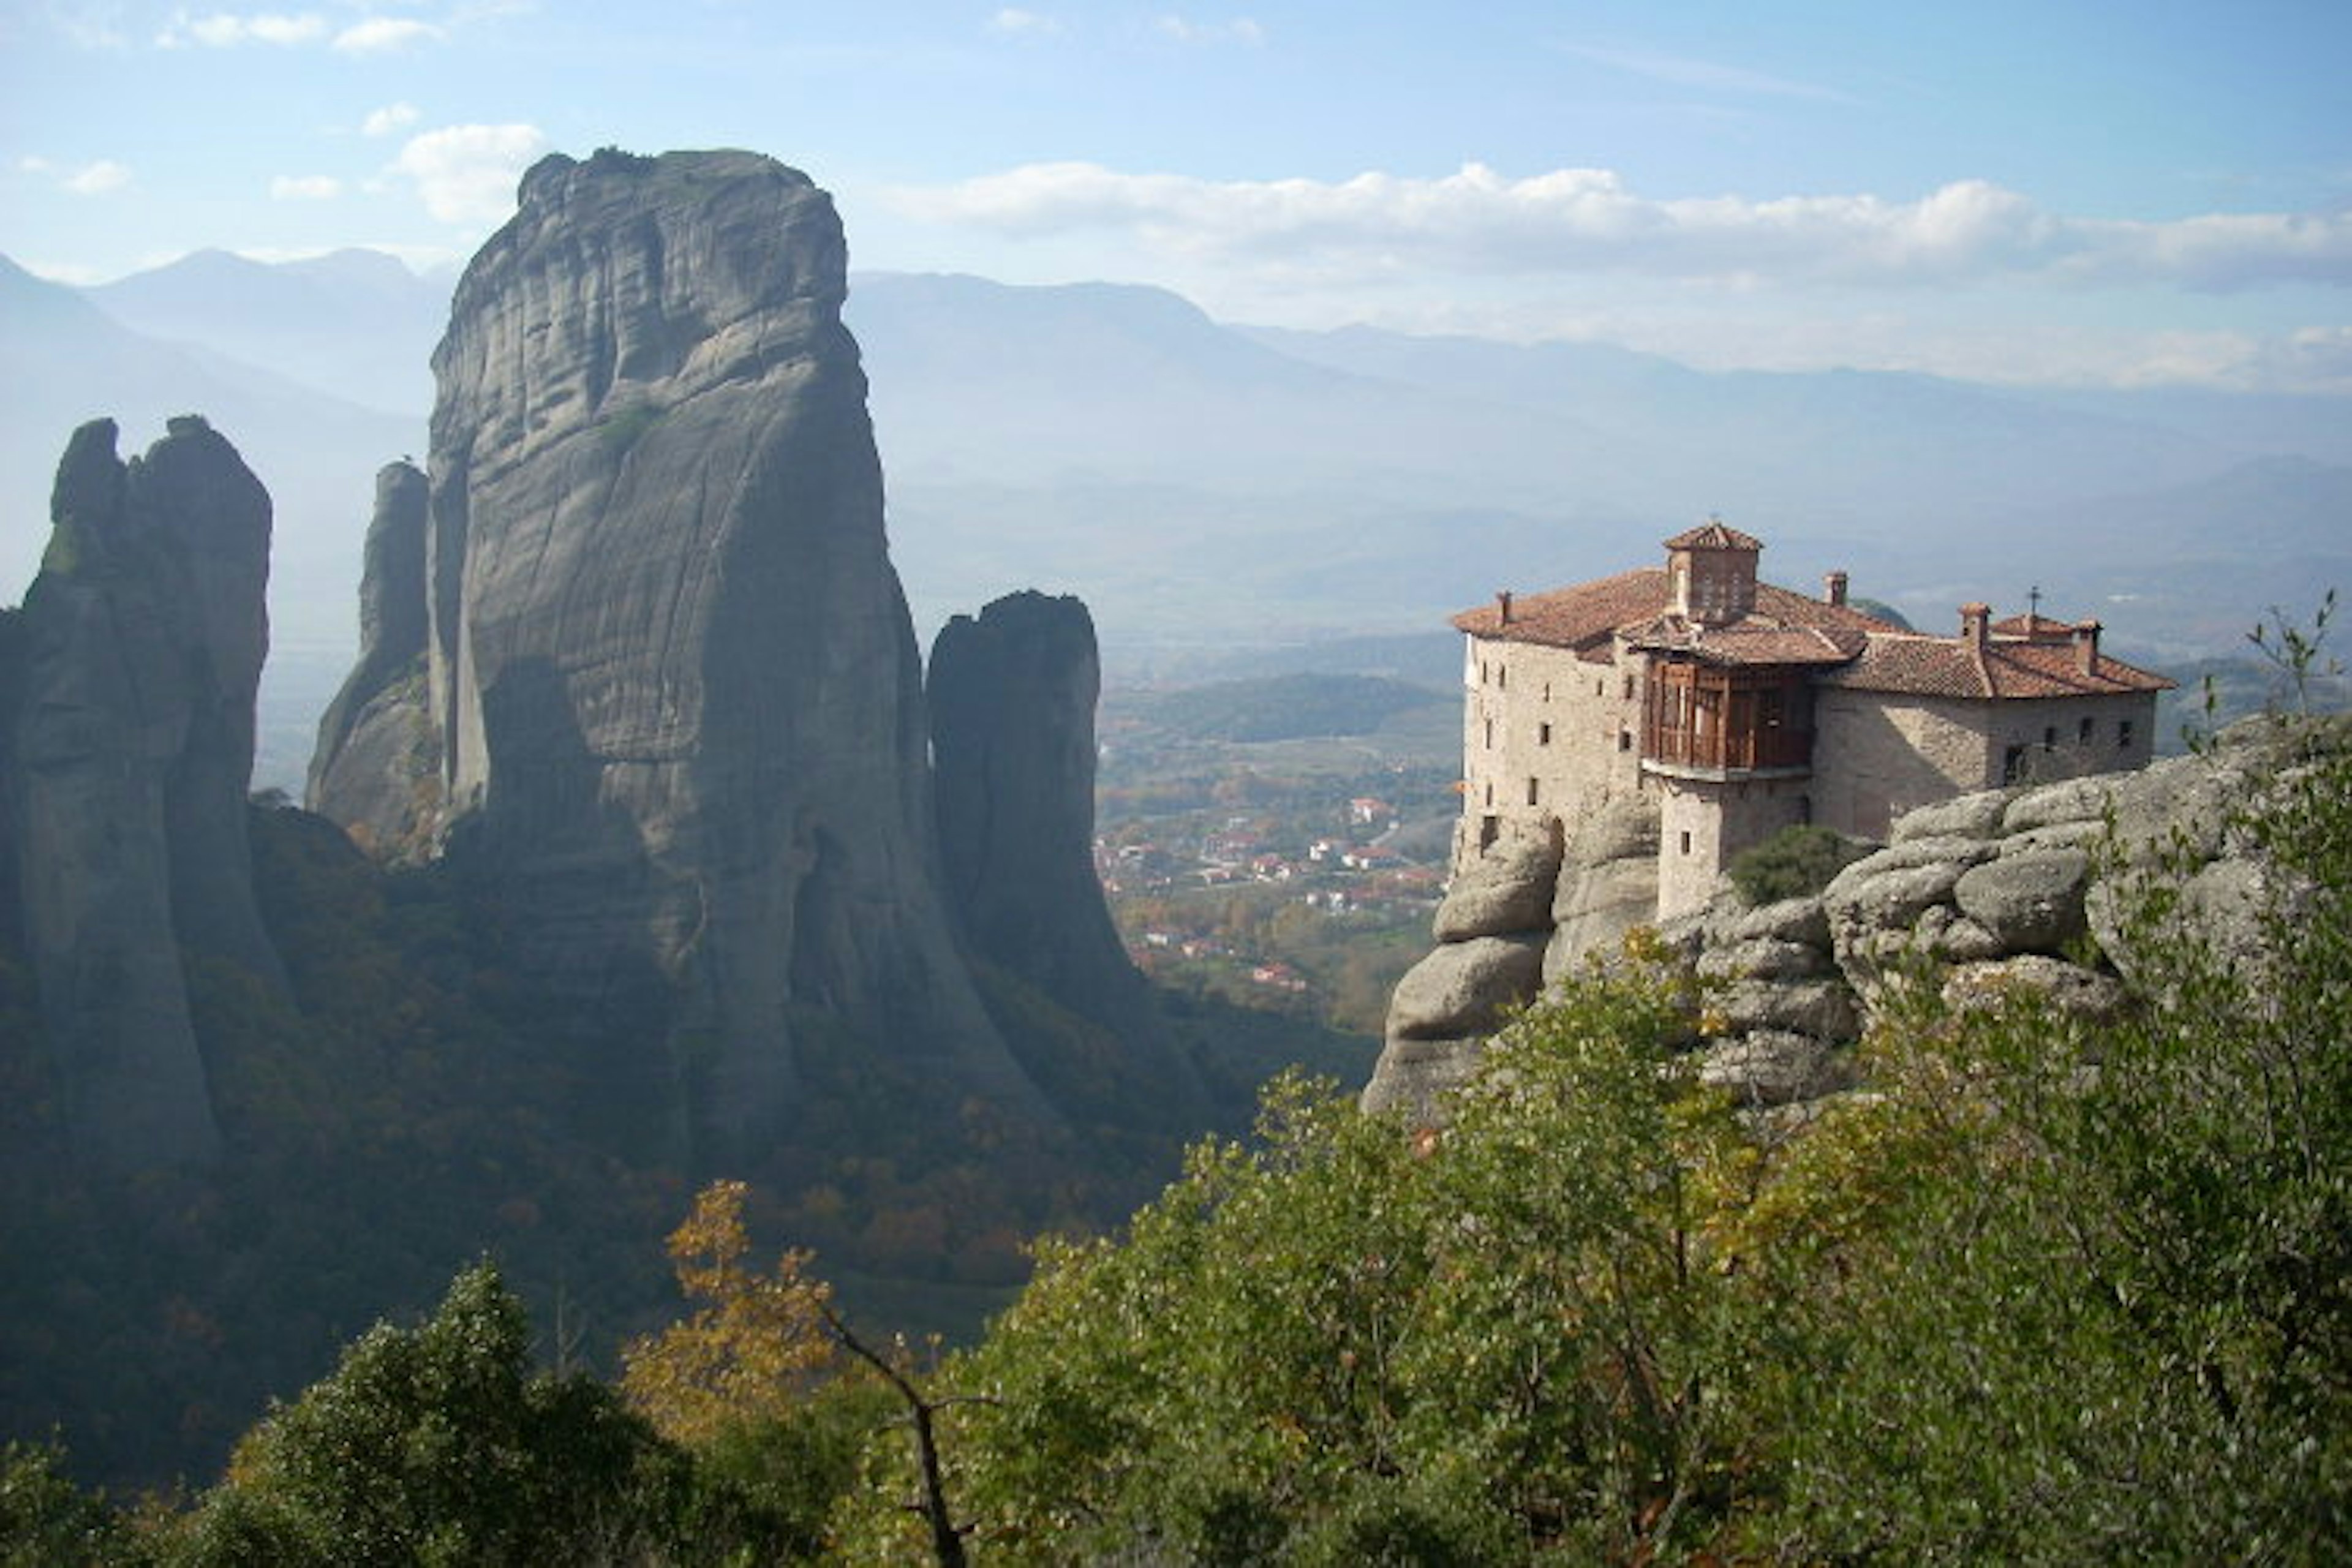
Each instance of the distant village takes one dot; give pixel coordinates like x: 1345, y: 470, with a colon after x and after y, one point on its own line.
x: 1361, y: 865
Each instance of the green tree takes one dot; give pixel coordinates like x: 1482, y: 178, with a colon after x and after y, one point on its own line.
x: 438, y: 1444
x: 47, y: 1521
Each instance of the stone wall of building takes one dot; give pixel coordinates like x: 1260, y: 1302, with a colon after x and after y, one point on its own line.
x: 1877, y: 756
x: 1547, y: 734
x: 1703, y: 824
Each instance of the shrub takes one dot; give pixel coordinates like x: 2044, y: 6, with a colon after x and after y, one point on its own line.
x: 1794, y: 863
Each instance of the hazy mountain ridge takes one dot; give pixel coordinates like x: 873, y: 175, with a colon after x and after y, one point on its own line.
x: 1209, y: 488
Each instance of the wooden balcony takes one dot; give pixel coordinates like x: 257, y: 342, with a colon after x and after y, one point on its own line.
x: 1718, y: 722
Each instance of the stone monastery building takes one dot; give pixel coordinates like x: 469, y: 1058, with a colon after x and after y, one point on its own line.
x: 1740, y: 708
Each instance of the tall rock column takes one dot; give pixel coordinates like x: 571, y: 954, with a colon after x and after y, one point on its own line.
x: 132, y: 749
x: 672, y: 677
x: 1012, y: 696
x: 376, y: 760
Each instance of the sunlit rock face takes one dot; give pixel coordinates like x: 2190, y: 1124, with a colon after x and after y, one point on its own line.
x: 674, y: 694
x: 128, y: 753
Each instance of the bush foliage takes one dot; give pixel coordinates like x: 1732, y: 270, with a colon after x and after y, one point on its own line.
x: 1794, y: 863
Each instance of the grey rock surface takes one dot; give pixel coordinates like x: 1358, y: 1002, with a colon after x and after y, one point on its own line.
x: 1412, y: 1078
x: 1464, y: 987
x: 1503, y: 887
x: 130, y: 753
x: 377, y: 766
x: 1773, y: 1067
x: 672, y: 680
x: 2028, y: 902
x: 1011, y: 695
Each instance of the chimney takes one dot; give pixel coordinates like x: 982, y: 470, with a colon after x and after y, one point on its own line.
x: 1976, y: 622
x: 2086, y: 647
x: 1834, y: 589
x: 1503, y: 603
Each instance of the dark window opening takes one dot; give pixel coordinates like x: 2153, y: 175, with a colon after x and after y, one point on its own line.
x: 1686, y: 842
x: 2124, y: 735
x: 1543, y: 734
x: 2012, y: 764
x: 1531, y: 792
x: 2083, y: 733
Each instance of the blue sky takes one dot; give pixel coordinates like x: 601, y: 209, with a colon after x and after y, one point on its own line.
x: 2135, y: 194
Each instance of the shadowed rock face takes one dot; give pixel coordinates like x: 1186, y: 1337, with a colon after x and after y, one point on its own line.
x: 377, y: 760
x: 1011, y: 697
x: 671, y: 673
x: 131, y: 750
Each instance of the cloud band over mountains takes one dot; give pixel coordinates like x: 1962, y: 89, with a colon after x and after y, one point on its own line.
x: 1478, y: 221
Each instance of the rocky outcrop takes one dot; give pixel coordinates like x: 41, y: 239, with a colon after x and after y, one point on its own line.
x: 2032, y: 890
x: 378, y: 758
x: 130, y: 750
x: 675, y: 696
x: 1011, y: 695
x: 1492, y: 928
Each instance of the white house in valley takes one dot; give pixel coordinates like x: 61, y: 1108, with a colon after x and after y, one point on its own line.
x: 1739, y: 707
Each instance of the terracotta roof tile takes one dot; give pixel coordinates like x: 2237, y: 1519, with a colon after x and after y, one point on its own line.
x: 1921, y: 665
x: 2034, y: 627
x: 1712, y: 534
x: 1577, y: 616
x: 1637, y: 603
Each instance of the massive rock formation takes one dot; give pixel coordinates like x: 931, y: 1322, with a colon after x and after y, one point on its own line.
x: 129, y: 748
x: 1011, y: 695
x: 378, y: 757
x: 672, y: 680
x: 1981, y: 895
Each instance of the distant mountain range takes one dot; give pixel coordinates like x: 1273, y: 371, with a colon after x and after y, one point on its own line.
x: 1213, y: 490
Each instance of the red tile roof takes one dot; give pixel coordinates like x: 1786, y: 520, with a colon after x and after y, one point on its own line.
x: 2028, y: 656
x: 1920, y: 666
x: 1784, y: 628
x: 2034, y: 627
x: 1712, y: 534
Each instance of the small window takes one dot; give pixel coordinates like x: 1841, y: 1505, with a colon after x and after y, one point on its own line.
x: 1624, y: 739
x: 1490, y: 734
x: 1502, y: 676
x: 2082, y: 731
x: 2123, y: 735
x: 1543, y: 734
x: 1532, y: 791
x: 1686, y: 842
x: 1629, y: 683
x: 1600, y: 688
x: 1547, y: 690
x: 2049, y: 738
x: 2012, y: 764
x: 1490, y: 795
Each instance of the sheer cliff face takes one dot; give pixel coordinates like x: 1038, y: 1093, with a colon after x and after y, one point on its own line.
x: 672, y: 679
x: 1011, y: 697
x: 130, y: 753
x: 377, y: 759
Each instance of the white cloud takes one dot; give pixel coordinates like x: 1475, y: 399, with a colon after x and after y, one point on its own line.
x: 1013, y: 20
x: 1585, y: 221
x: 468, y: 173
x: 102, y: 178
x: 305, y: 188
x: 1240, y: 30
x: 384, y: 35
x: 224, y: 29
x: 392, y: 117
